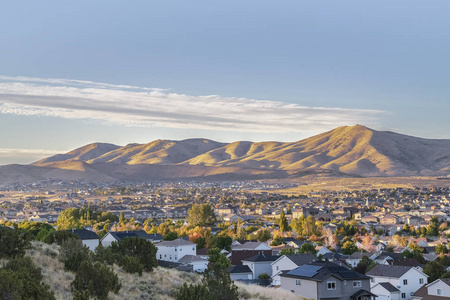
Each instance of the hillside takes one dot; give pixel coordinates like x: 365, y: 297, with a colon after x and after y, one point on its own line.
x: 161, y: 284
x: 344, y: 151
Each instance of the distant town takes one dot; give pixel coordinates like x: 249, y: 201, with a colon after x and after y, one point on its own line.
x: 386, y: 243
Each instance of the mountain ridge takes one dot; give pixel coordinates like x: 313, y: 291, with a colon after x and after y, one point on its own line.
x: 347, y: 151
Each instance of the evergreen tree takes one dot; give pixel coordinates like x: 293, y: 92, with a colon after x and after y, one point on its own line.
x: 217, y: 279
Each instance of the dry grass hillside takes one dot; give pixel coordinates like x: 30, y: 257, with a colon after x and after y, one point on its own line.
x: 345, y: 151
x: 161, y: 284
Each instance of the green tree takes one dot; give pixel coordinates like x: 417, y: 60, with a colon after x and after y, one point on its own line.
x: 73, y: 253
x: 284, y: 226
x: 193, y: 292
x: 441, y: 248
x: 13, y: 243
x: 104, y: 255
x: 434, y: 270
x: 263, y: 235
x: 27, y: 281
x: 310, y: 227
x: 140, y: 248
x: 96, y: 278
x: 201, y: 215
x: 287, y: 251
x: 349, y: 248
x: 224, y: 242
x: 170, y: 236
x: 307, y: 248
x: 297, y: 225
x: 365, y: 265
x: 217, y: 279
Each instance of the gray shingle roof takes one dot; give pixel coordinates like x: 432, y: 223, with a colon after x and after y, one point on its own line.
x: 239, y: 269
x: 261, y: 257
x: 301, y: 259
x: 389, y: 271
x: 84, y: 234
x: 389, y: 287
x: 174, y: 243
x: 327, y: 269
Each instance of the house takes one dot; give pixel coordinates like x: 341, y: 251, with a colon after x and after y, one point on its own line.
x: 198, y: 263
x: 175, y: 250
x: 406, y: 279
x: 248, y: 249
x: 289, y: 262
x: 386, y: 291
x: 438, y: 289
x: 88, y: 238
x: 116, y: 236
x: 354, y: 259
x: 240, y: 272
x: 326, y: 280
x: 260, y: 264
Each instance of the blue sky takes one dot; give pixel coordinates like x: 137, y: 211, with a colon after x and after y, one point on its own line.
x: 135, y: 71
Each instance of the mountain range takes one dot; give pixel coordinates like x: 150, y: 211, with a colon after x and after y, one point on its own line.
x: 345, y: 151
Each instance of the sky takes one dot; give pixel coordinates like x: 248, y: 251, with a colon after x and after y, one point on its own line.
x: 73, y: 73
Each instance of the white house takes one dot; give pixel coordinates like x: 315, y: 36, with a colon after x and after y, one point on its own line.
x: 438, y: 289
x: 406, y: 279
x: 354, y: 259
x: 240, y: 272
x: 289, y: 262
x: 175, y: 250
x: 88, y: 238
x: 386, y: 291
x: 198, y: 263
x: 111, y: 236
x: 260, y: 264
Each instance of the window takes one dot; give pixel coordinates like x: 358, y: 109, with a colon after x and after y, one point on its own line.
x: 403, y: 295
x: 278, y: 267
x: 181, y: 249
x: 193, y: 248
x: 175, y: 248
x: 160, y: 256
x: 439, y: 292
x: 331, y: 285
x: 357, y: 284
x: 298, y: 282
x: 420, y: 280
x: 405, y: 281
x: 372, y: 279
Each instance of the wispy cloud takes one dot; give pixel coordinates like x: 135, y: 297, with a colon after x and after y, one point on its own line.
x: 24, y: 155
x: 138, y: 106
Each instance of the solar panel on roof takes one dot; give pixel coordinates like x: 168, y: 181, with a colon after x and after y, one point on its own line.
x: 305, y: 271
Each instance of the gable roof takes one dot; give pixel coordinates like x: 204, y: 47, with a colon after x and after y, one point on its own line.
x: 191, y: 258
x: 261, y: 258
x: 321, y: 270
x: 120, y: 235
x: 175, y: 243
x: 84, y: 234
x: 239, y: 269
x: 251, y: 246
x: 390, y: 271
x: 389, y: 287
x: 301, y: 259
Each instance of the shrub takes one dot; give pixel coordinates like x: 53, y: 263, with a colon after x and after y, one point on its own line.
x: 131, y: 264
x: 264, y: 276
x: 193, y: 292
x: 59, y: 237
x: 12, y: 243
x: 26, y: 278
x: 140, y: 248
x: 95, y: 278
x: 73, y: 253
